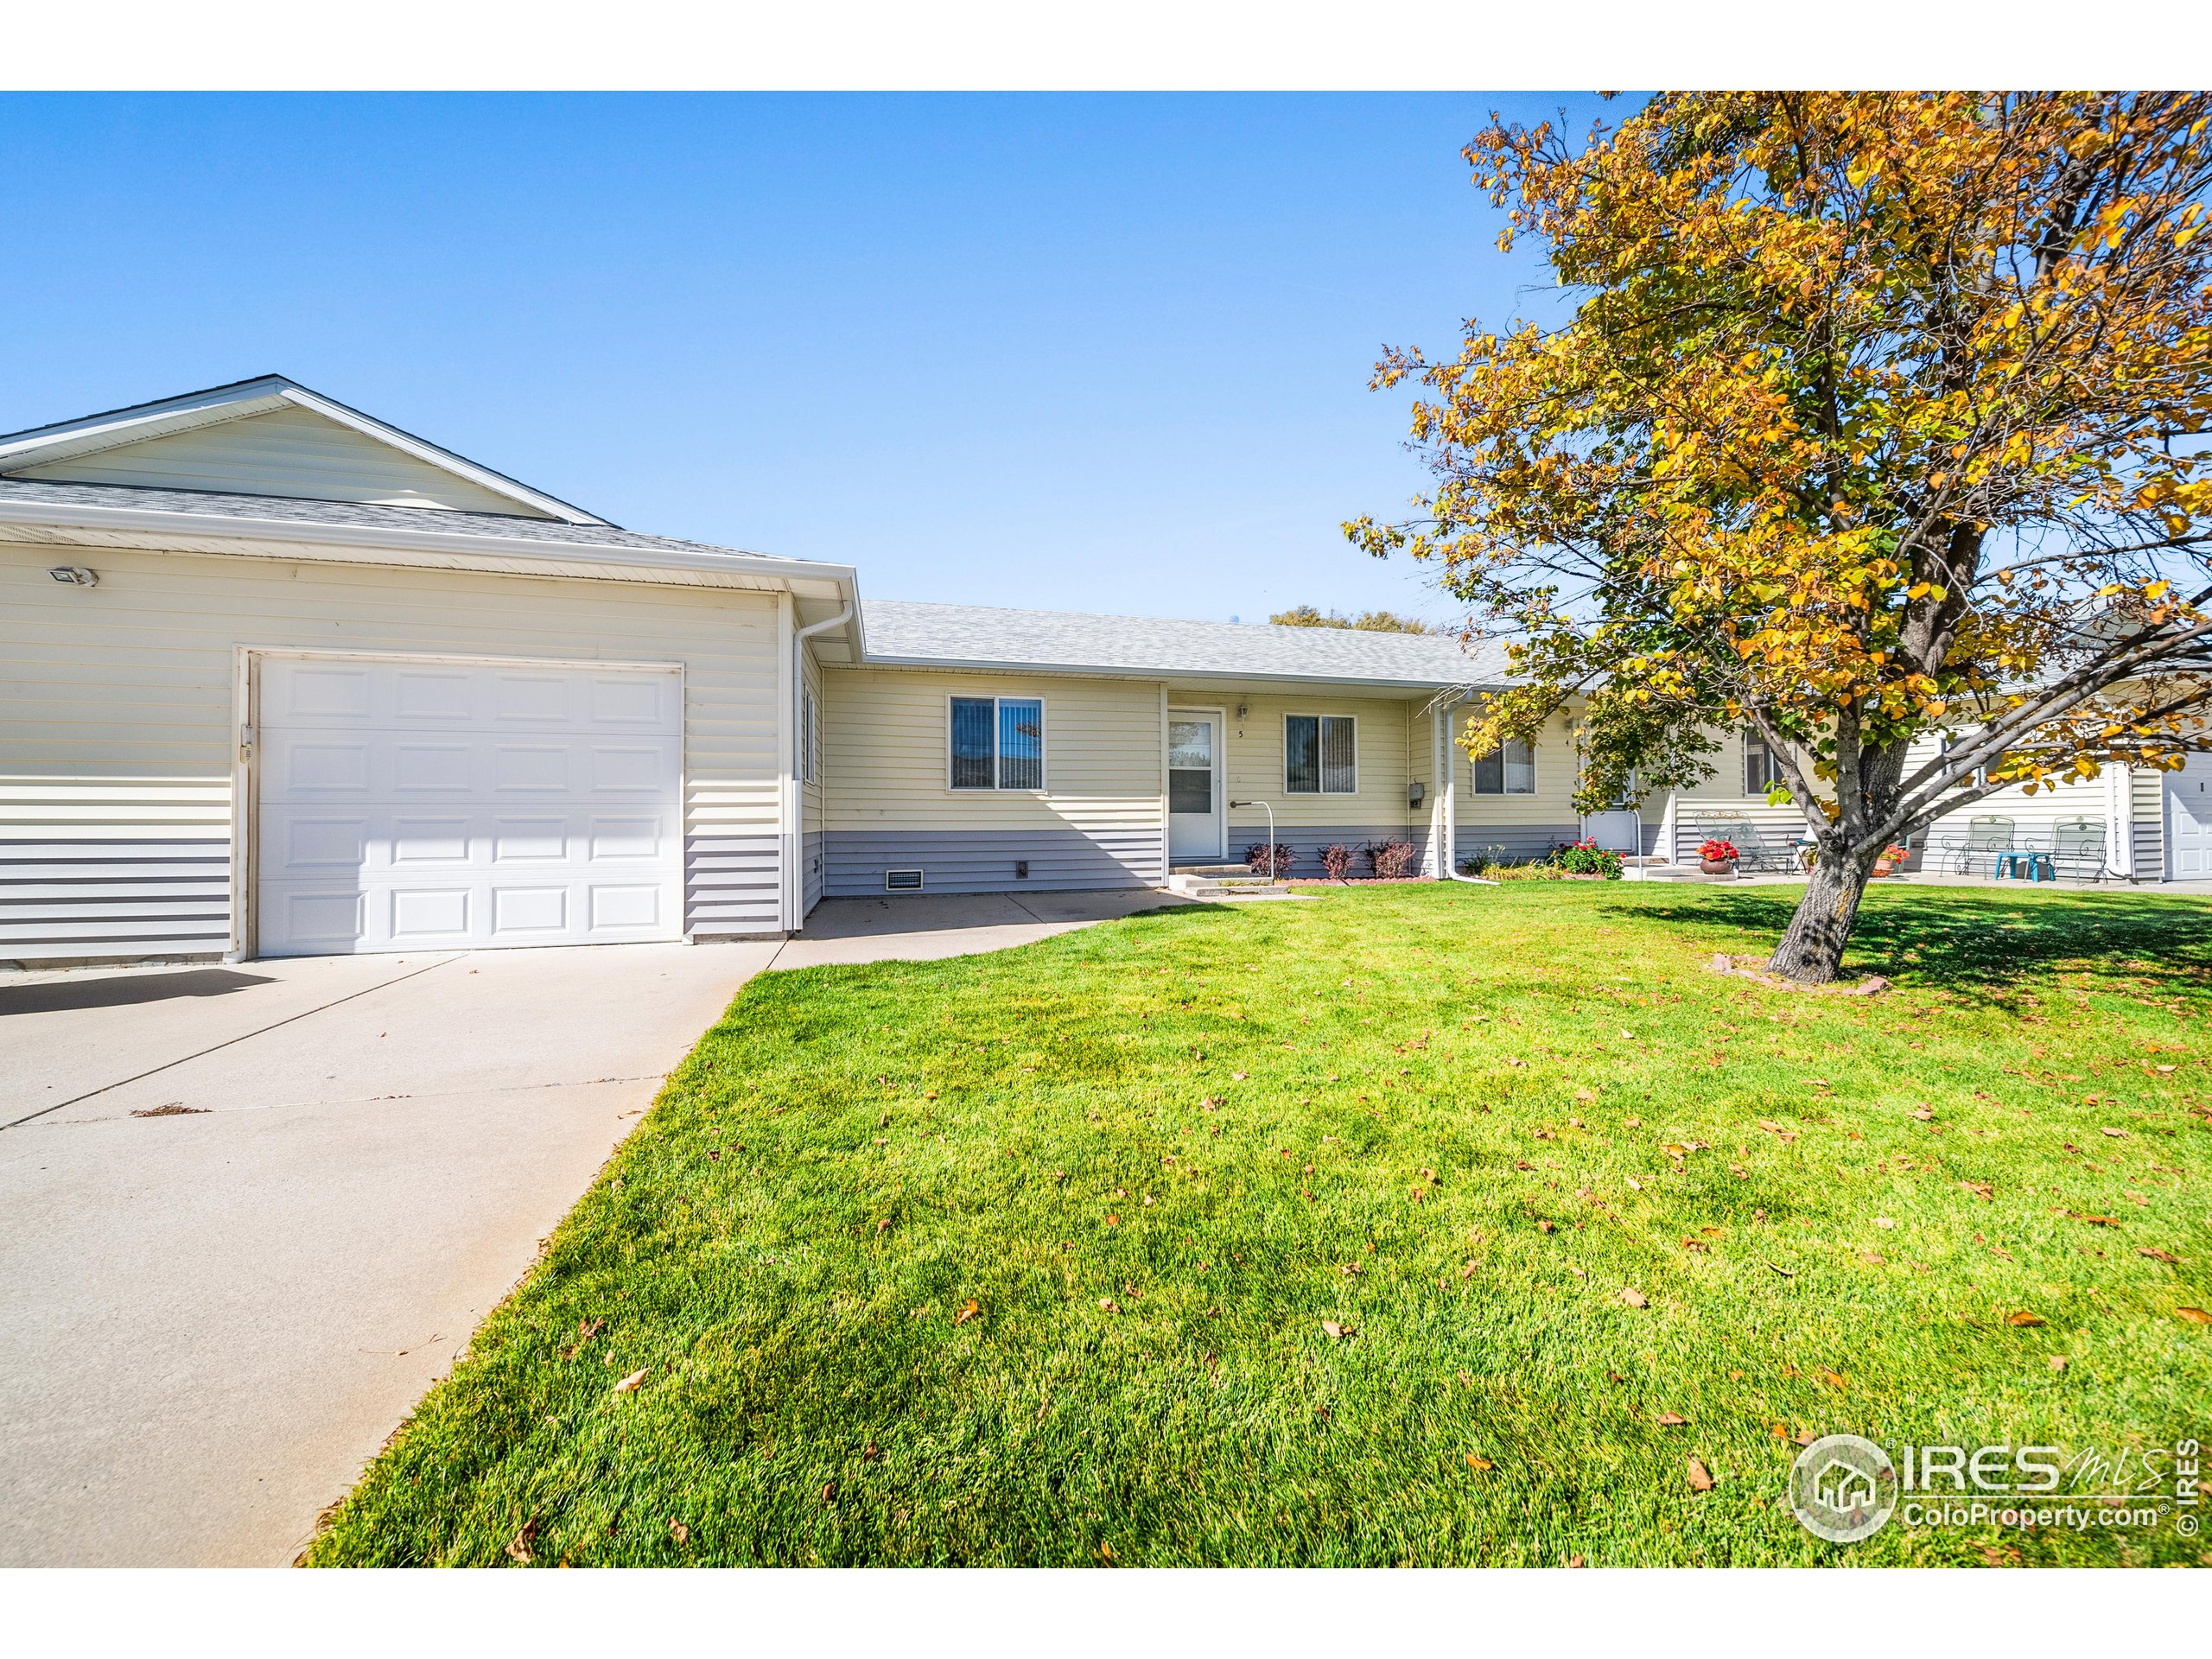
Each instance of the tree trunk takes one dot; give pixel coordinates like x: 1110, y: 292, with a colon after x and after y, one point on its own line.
x: 1811, y: 951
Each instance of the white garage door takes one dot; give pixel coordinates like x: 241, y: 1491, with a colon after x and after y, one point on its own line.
x: 2189, y: 820
x: 419, y: 805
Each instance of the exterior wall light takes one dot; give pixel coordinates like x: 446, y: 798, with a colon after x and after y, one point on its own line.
x: 74, y: 575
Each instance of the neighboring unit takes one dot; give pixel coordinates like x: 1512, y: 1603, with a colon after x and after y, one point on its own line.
x: 282, y: 678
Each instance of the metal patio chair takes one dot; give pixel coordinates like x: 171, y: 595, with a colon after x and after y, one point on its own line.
x: 1986, y: 838
x: 2077, y: 849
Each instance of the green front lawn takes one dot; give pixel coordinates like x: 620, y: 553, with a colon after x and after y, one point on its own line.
x: 1034, y: 1257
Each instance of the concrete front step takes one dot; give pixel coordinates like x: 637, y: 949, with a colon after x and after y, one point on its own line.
x: 1192, y: 885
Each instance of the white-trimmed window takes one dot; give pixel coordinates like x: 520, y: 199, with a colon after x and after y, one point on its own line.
x: 1320, y: 754
x: 1762, y: 770
x: 1508, y: 769
x: 997, y: 743
x: 810, y: 736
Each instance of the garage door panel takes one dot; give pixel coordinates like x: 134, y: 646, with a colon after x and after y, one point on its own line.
x: 404, y: 806
x: 2189, y: 820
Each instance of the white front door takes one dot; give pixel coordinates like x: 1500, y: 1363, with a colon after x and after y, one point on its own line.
x: 2189, y: 821
x: 1616, y: 831
x: 426, y: 805
x: 1197, y: 817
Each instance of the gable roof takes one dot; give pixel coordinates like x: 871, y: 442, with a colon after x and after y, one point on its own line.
x: 53, y: 514
x: 907, y: 633
x: 271, y: 436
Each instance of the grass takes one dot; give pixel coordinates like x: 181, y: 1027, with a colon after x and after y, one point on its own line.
x: 1026, y: 1258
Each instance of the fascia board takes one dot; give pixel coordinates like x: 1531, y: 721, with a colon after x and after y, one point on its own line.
x: 370, y: 543
x: 44, y: 445
x: 999, y: 665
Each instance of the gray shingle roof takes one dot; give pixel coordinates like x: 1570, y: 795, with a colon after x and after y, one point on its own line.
x: 287, y: 509
x: 902, y: 631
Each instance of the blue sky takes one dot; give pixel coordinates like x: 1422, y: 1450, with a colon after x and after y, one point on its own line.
x: 1094, y: 353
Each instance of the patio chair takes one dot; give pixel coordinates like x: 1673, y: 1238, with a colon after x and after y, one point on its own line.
x: 1986, y: 838
x: 1755, y: 853
x: 2077, y: 849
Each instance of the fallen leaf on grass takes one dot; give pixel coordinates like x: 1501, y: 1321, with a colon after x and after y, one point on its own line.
x: 2194, y: 1315
x: 1106, y: 1305
x: 1980, y: 1189
x: 1330, y: 1327
x: 678, y: 1531
x: 1634, y: 1298
x: 1698, y: 1244
x: 2093, y: 1221
x: 2117, y: 1135
x: 1834, y: 1379
x: 969, y: 1310
x: 1701, y: 1476
x: 1544, y: 1227
x: 629, y: 1384
x: 1672, y: 1420
x: 1884, y: 1221
x: 2023, y: 1317
x: 1474, y: 1461
x: 2058, y: 1362
x: 518, y: 1547
x: 2167, y: 1256
x: 1923, y: 1114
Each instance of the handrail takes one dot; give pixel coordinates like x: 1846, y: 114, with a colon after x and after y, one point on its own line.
x: 1272, y: 881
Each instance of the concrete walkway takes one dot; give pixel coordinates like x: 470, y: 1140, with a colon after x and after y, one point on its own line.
x: 248, y: 1215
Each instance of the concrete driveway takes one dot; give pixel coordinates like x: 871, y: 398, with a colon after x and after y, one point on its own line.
x: 248, y: 1215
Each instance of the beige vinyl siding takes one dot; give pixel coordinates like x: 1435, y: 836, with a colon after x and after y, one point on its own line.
x: 292, y: 452
x: 1255, y: 754
x: 1522, y: 826
x: 116, y: 715
x: 889, y: 803
x: 2146, y: 791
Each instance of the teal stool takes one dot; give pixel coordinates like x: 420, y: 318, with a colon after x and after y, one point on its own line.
x: 2040, y: 868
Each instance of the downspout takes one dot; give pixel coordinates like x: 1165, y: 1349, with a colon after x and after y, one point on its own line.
x: 1448, y: 775
x: 794, y: 878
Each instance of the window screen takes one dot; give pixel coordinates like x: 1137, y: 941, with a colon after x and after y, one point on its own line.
x: 1320, y: 756
x: 973, y: 752
x: 1510, y: 769
x: 1761, y: 770
x: 809, y: 737
x: 1022, y: 743
x: 998, y: 743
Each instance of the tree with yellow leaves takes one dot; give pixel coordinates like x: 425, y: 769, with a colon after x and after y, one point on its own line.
x: 1878, y: 419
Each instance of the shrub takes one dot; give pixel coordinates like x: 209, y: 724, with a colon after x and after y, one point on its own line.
x: 1587, y: 857
x: 1271, y: 862
x: 1336, y: 859
x: 1389, y: 859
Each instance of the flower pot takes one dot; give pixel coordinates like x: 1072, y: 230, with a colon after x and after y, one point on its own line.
x: 1885, y: 867
x: 1717, y: 866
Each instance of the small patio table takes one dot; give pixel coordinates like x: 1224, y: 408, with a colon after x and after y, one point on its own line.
x: 2040, y: 867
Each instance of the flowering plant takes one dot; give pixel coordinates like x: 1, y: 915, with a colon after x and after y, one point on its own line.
x: 1720, y: 849
x: 1587, y: 857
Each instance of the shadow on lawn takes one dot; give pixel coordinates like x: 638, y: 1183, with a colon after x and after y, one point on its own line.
x: 1976, y: 942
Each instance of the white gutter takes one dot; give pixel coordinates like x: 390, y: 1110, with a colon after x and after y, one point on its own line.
x: 376, y: 538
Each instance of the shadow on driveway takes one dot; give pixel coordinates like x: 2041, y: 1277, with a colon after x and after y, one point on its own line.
x: 121, y: 990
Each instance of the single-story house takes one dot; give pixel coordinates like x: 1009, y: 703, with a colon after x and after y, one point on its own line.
x: 282, y: 678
